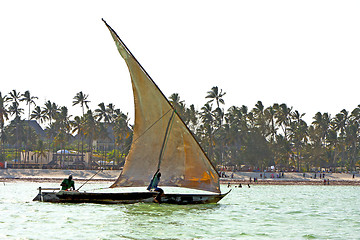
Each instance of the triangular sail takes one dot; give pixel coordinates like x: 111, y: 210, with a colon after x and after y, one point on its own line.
x: 183, y: 162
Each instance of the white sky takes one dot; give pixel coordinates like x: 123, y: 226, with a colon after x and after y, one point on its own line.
x: 302, y: 53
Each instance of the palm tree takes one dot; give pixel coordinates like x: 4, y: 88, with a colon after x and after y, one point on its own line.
x: 352, y: 143
x: 3, y: 111
x: 112, y: 112
x: 322, y: 126
x: 38, y: 115
x: 259, y: 115
x: 63, y: 126
x: 102, y: 113
x: 77, y: 127
x: 235, y: 138
x: 216, y: 96
x: 3, y: 117
x: 81, y: 98
x: 50, y: 110
x: 14, y: 96
x: 63, y: 120
x: 14, y: 109
x: 269, y: 115
x: 339, y: 124
x: 207, y: 127
x: 299, y: 134
x: 283, y: 118
x: 178, y: 105
x: 192, y: 118
x: 90, y: 128
x: 29, y: 100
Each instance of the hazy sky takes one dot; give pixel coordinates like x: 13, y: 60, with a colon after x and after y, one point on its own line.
x: 302, y: 53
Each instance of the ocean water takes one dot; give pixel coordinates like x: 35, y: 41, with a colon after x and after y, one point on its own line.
x: 258, y: 212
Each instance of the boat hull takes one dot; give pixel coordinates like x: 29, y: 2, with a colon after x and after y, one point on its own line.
x: 126, y: 198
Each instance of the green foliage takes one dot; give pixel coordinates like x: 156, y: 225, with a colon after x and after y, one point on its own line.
x: 259, y: 137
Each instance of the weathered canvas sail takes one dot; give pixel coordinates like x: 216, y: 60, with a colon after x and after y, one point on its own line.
x: 184, y: 163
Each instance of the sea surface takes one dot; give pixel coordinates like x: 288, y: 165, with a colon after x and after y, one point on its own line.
x: 258, y: 212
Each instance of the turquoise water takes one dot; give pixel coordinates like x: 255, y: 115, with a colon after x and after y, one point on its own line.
x: 259, y: 212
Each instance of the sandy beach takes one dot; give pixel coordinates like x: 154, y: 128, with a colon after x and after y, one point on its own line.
x: 290, y: 178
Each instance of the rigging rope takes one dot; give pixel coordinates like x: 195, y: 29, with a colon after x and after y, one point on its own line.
x: 121, y: 150
x: 167, y: 133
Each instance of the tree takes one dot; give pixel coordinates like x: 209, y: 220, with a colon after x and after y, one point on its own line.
x: 178, y: 105
x: 14, y: 96
x: 269, y: 115
x: 3, y: 116
x: 26, y: 97
x: 339, y: 124
x: 283, y: 118
x: 102, y: 113
x: 62, y: 125
x: 3, y: 111
x: 50, y: 110
x: 38, y: 115
x: 216, y: 96
x: 81, y: 98
x: 298, y: 136
x: 207, y: 128
x: 90, y: 127
x: 77, y: 126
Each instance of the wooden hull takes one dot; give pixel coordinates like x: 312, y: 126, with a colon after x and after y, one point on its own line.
x: 126, y: 198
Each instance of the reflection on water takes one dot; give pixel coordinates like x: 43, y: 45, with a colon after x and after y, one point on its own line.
x: 259, y: 212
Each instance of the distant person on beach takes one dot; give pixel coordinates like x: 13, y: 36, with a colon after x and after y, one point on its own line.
x: 240, y: 186
x: 229, y: 185
x: 68, y: 184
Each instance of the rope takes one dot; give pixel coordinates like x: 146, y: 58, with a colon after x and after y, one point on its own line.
x: 166, y: 139
x: 121, y: 150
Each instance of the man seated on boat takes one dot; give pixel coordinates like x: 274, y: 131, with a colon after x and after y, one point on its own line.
x: 153, y: 186
x: 68, y: 184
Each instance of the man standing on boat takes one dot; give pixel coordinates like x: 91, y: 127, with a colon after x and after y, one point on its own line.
x: 153, y: 186
x: 68, y: 183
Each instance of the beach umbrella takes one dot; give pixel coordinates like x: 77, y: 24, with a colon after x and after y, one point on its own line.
x: 63, y: 151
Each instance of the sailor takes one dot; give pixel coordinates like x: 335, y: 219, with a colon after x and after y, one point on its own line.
x: 68, y: 184
x: 154, y: 186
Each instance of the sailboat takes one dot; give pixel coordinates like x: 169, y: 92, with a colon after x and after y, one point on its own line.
x: 161, y: 143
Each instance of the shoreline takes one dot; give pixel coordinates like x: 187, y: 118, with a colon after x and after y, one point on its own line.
x: 233, y: 182
x: 290, y: 178
x: 292, y: 182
